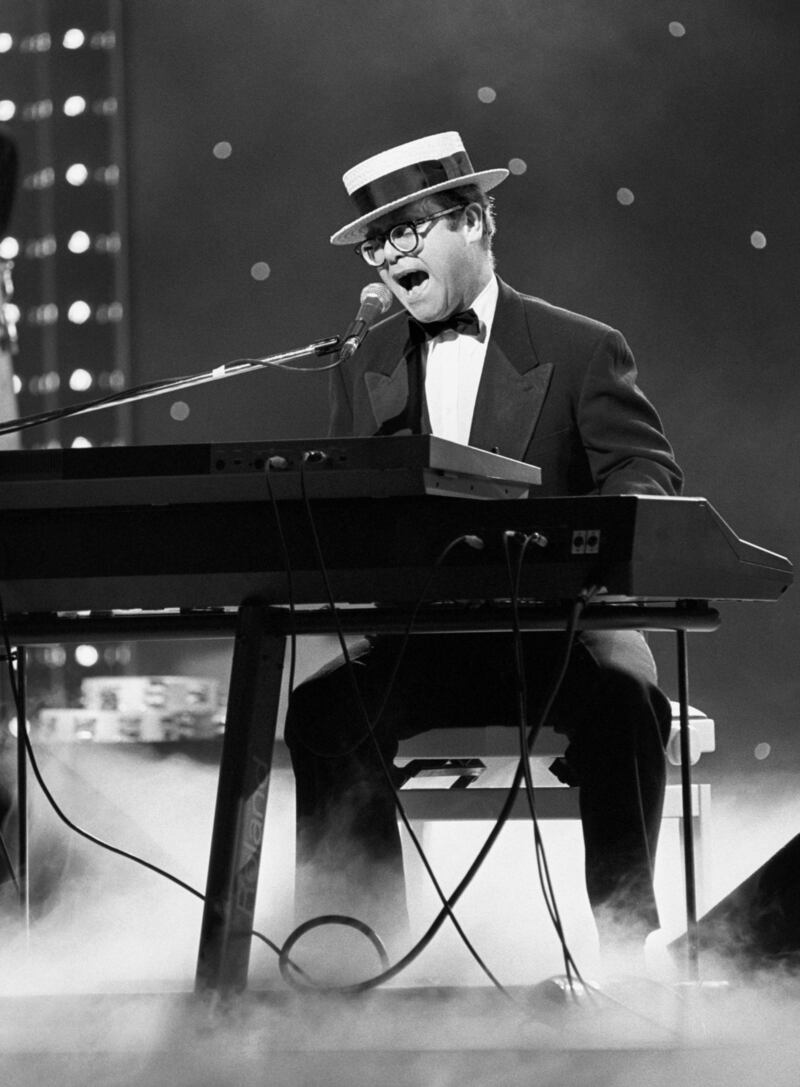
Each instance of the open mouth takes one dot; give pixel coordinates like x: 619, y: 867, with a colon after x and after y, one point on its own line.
x: 411, y: 280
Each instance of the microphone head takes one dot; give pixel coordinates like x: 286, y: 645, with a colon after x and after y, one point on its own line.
x: 378, y: 293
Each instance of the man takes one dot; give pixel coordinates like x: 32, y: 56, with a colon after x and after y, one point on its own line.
x: 535, y: 383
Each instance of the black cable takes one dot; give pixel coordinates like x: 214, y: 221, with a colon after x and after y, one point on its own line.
x: 528, y: 736
x: 118, y: 851
x: 453, y: 898
x: 502, y: 818
x: 370, y: 732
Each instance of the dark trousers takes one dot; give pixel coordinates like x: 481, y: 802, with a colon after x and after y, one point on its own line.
x: 616, y: 718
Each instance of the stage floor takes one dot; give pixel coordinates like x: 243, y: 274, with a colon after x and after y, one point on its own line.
x: 633, y: 1032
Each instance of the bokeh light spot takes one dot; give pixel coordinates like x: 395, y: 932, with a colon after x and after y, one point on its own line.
x: 487, y: 94
x: 758, y: 240
x: 762, y: 751
x: 79, y: 242
x: 625, y: 197
x: 86, y: 655
x: 260, y: 270
x: 223, y: 150
x: 73, y: 38
x: 80, y: 380
x: 6, y: 42
x: 7, y: 109
x: 74, y: 105
x: 79, y: 312
x: 179, y: 411
x: 517, y: 166
x: 76, y: 174
x: 9, y: 248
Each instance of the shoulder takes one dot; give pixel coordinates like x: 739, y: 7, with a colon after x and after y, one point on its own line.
x: 550, y: 323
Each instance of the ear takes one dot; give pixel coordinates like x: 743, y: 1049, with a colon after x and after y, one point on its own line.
x: 473, y: 222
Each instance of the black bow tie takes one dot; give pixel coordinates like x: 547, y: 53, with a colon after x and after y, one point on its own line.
x: 466, y: 321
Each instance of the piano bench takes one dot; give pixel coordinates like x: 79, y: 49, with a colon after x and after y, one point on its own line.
x: 464, y: 774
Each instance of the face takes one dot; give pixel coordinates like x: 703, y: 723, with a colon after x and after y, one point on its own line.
x: 448, y: 269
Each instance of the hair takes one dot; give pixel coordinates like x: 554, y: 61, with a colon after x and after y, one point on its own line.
x: 463, y: 195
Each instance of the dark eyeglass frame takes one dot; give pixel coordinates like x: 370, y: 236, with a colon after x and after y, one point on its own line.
x: 380, y: 241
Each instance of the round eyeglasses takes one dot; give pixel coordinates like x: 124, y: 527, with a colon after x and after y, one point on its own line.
x: 404, y: 238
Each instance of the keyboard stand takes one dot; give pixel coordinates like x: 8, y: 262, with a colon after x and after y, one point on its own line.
x: 244, y: 775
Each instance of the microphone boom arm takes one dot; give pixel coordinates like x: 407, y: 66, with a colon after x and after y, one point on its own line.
x: 158, y: 388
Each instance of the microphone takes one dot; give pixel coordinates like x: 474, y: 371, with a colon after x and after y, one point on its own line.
x: 376, y: 299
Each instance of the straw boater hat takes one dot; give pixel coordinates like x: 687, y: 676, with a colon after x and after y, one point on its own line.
x: 403, y: 174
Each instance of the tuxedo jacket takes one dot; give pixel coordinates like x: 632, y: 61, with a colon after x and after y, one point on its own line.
x: 558, y: 390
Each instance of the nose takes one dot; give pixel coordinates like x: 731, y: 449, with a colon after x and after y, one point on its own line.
x: 390, y: 254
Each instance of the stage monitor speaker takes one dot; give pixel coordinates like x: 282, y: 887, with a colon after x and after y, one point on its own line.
x: 758, y: 922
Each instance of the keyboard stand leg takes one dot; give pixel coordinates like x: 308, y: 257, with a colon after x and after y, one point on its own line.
x: 692, y: 933
x: 244, y: 774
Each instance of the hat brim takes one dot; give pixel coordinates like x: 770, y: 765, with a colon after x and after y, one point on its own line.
x: 357, y: 230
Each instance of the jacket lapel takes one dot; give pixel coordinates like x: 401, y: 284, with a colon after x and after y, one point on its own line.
x: 387, y: 380
x: 511, y: 393
x: 513, y: 384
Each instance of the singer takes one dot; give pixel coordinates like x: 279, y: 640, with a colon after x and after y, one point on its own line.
x: 470, y: 359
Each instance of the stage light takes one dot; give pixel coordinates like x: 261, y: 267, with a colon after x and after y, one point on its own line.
x: 487, y: 94
x: 86, y: 655
x: 222, y: 150
x: 17, y: 383
x: 9, y: 248
x: 107, y: 175
x: 108, y: 243
x: 81, y: 443
x: 758, y: 240
x: 74, y: 105
x: 12, y: 727
x: 625, y: 197
x: 46, y: 314
x: 38, y: 111
x: 6, y: 42
x: 260, y: 270
x: 80, y: 380
x: 73, y: 38
x: 105, y: 107
x: 79, y: 312
x: 103, y: 39
x: 37, y: 43
x: 7, y: 109
x: 76, y: 174
x: 79, y: 241
x: 54, y: 656
x: 37, y: 248
x: 41, y: 179
x: 110, y: 314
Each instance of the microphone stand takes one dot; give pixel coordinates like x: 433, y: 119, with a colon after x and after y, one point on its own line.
x: 158, y: 388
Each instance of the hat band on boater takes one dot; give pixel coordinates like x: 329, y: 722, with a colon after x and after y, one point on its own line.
x: 409, y: 180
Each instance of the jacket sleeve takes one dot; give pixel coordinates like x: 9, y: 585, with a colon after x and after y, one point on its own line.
x: 620, y: 429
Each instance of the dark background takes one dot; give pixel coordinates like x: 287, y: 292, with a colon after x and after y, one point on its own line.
x: 702, y: 128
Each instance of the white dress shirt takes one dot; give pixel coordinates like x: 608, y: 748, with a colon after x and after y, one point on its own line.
x: 453, y: 366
